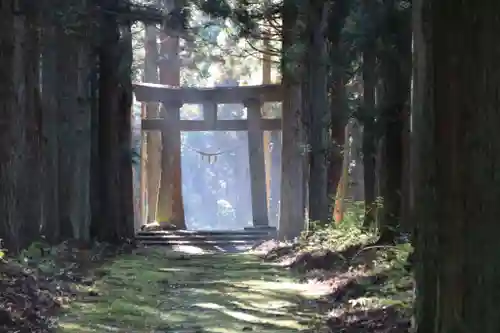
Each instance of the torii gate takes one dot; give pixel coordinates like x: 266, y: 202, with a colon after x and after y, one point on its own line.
x: 170, y: 125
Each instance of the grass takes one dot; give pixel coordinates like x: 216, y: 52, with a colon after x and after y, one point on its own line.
x: 165, y: 291
x: 385, y: 261
x: 397, y: 288
x: 159, y: 291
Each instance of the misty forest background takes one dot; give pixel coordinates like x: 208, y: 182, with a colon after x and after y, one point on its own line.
x: 215, y: 168
x: 68, y: 174
x: 231, y: 51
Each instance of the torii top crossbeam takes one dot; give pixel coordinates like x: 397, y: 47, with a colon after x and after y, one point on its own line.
x: 150, y: 92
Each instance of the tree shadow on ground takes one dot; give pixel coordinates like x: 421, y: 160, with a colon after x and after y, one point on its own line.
x: 370, y: 300
x: 167, y: 292
x: 371, y: 291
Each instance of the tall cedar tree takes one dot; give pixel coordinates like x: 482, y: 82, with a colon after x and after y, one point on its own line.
x: 394, y: 91
x: 457, y: 180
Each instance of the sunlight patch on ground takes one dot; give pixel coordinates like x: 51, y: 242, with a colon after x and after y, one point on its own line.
x: 189, y: 249
x: 242, y: 316
x: 160, y: 291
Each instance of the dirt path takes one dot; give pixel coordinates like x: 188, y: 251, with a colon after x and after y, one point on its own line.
x: 165, y: 291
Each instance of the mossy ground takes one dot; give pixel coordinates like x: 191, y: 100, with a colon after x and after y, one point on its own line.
x: 163, y: 291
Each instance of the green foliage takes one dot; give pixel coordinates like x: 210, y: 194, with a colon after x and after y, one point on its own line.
x: 34, y: 252
x: 244, y: 14
x: 380, y: 271
x: 397, y: 290
x: 339, y: 236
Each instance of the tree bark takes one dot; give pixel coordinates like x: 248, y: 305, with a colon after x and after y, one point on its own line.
x: 11, y: 131
x: 339, y: 111
x: 74, y: 119
x: 153, y: 139
x: 125, y: 132
x: 50, y: 129
x: 319, y: 112
x: 395, y: 94
x: 31, y: 197
x: 115, y: 223
x: 456, y: 180
x: 266, y: 79
x: 292, y: 210
x: 368, y: 113
x: 20, y: 164
x: 368, y: 118
x: 274, y: 208
x: 356, y: 184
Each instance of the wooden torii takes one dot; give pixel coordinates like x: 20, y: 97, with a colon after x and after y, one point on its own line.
x: 170, y: 125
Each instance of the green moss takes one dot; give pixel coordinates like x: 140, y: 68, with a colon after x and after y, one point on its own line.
x: 397, y: 287
x: 203, y: 293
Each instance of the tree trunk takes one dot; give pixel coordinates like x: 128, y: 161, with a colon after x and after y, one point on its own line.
x: 395, y: 94
x: 342, y: 188
x: 50, y: 129
x: 274, y: 208
x: 368, y: 117
x: 266, y: 79
x: 292, y: 210
x: 456, y: 181
x: 153, y: 138
x: 405, y: 219
x: 95, y: 162
x: 338, y: 105
x: 20, y: 165
x: 31, y: 197
x: 368, y: 111
x: 425, y: 247
x: 115, y: 163
x: 11, y: 130
x: 125, y: 132
x: 75, y: 126
x: 356, y: 184
x: 319, y: 112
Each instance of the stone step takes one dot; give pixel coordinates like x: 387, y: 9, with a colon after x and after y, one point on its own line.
x: 260, y: 227
x: 206, y: 238
x: 197, y: 237
x: 250, y: 231
x: 199, y: 243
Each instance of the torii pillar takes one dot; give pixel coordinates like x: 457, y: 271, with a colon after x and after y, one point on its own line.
x: 170, y: 201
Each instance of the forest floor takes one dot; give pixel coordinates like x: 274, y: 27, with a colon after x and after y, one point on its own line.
x: 369, y: 289
x: 160, y: 290
x: 276, y: 288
